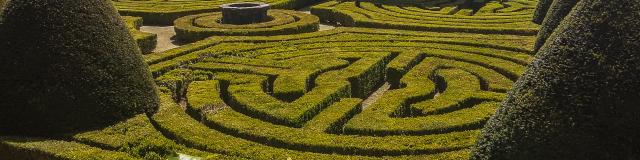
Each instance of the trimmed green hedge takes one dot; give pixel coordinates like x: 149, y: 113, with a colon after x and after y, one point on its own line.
x: 70, y: 72
x: 139, y: 138
x: 512, y: 18
x: 298, y: 96
x: 200, y: 26
x: 186, y: 130
x: 363, y: 75
x: 454, y: 110
x: 579, y: 99
x: 135, y: 138
x: 500, y: 46
x: 146, y: 41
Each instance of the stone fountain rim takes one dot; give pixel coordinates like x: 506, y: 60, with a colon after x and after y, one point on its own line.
x: 257, y: 5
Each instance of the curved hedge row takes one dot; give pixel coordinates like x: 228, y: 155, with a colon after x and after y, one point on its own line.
x: 511, y: 17
x: 164, y: 12
x: 200, y: 26
x: 146, y: 41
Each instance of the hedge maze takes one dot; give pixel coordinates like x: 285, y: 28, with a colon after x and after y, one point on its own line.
x: 301, y: 95
x: 394, y: 81
x: 504, y: 17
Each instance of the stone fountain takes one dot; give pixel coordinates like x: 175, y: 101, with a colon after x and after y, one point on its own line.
x: 244, y: 13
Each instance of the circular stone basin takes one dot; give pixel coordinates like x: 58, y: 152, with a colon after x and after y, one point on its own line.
x: 244, y: 13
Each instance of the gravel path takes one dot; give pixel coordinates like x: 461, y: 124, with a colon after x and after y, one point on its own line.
x: 323, y: 26
x: 165, y: 35
x: 375, y: 95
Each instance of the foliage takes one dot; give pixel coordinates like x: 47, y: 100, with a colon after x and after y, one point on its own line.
x: 579, y: 99
x: 71, y: 72
x: 512, y: 17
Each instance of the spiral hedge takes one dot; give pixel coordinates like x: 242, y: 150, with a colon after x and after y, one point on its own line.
x: 509, y: 17
x: 300, y: 96
x: 164, y: 12
x: 200, y: 26
x: 146, y: 41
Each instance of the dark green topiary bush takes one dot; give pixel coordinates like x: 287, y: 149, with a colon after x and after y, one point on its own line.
x: 558, y: 10
x: 580, y: 99
x: 541, y: 11
x: 67, y: 66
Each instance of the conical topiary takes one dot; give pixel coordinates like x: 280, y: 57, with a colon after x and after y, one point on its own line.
x: 541, y: 11
x: 581, y: 98
x: 68, y: 65
x: 558, y: 10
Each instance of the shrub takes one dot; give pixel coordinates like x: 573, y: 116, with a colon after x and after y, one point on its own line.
x: 580, y: 99
x: 62, y: 71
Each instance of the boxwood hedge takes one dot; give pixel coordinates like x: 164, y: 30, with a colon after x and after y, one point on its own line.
x: 298, y: 96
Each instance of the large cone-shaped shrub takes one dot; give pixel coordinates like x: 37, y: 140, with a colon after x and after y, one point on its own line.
x: 581, y: 98
x: 558, y: 10
x: 68, y: 65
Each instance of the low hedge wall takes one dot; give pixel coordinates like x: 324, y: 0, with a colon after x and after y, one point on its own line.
x: 197, y: 27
